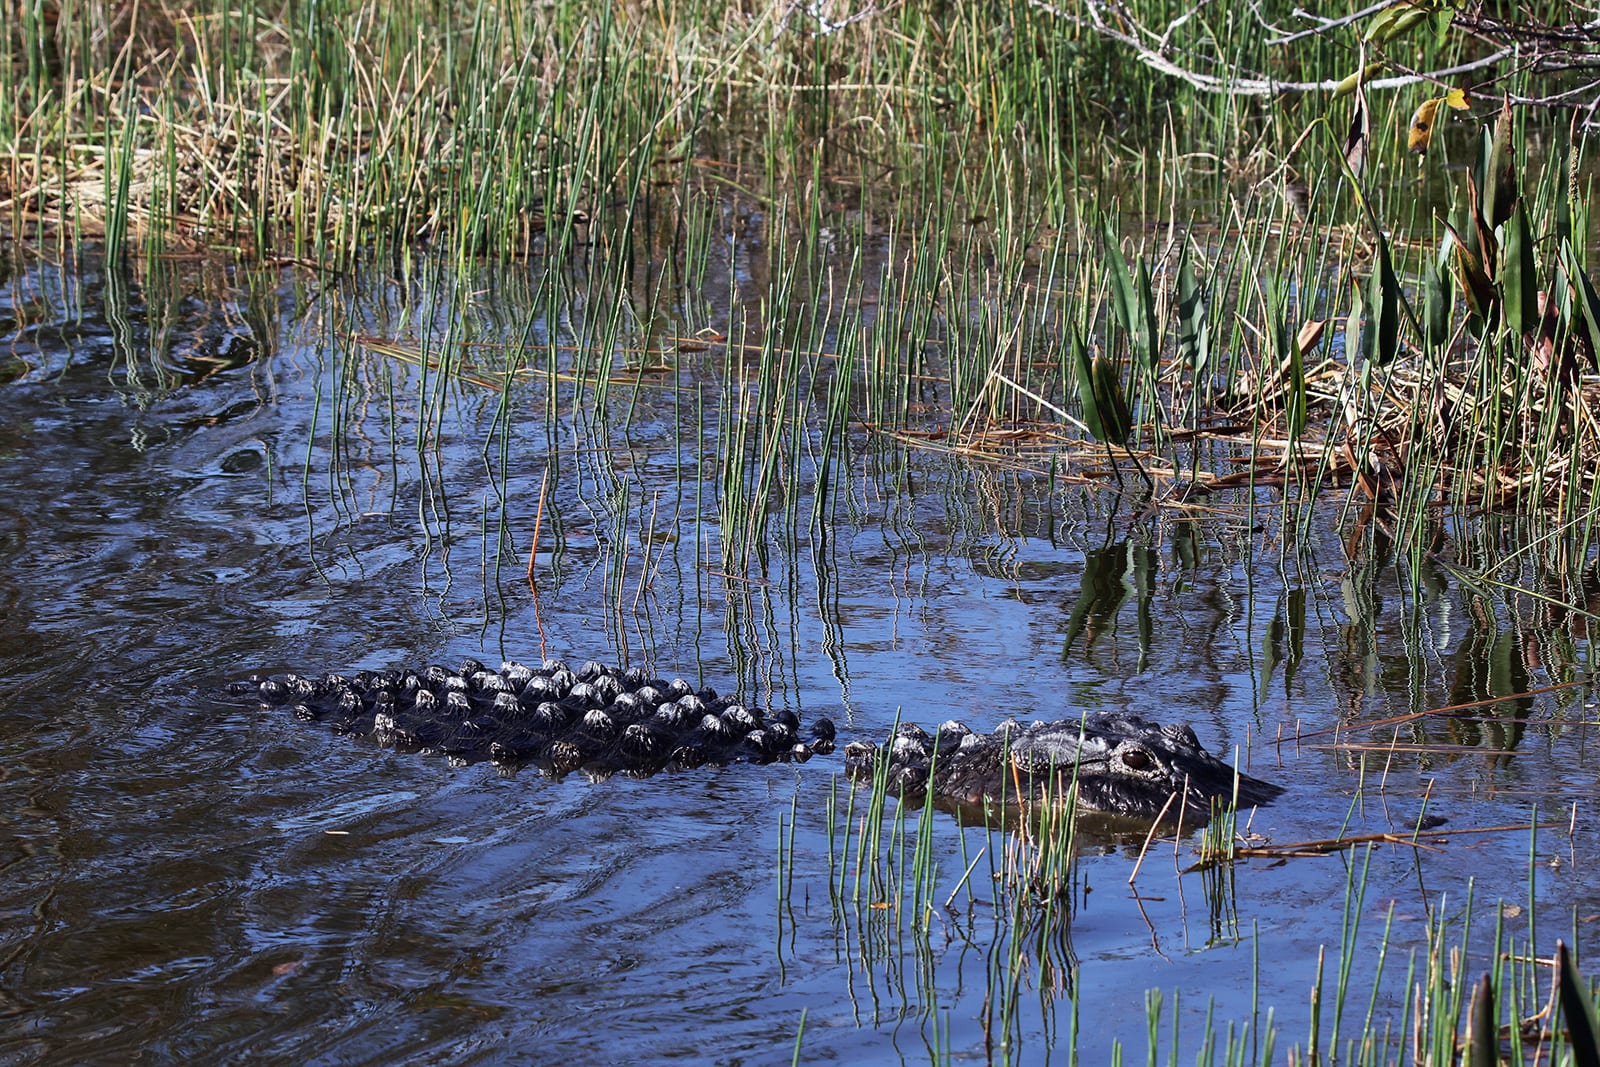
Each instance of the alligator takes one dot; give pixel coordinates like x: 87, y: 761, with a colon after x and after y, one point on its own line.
x: 608, y: 721
x: 1111, y: 762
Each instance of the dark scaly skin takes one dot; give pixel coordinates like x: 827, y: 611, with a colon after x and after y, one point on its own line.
x: 608, y: 721
x: 1119, y: 764
x: 596, y: 718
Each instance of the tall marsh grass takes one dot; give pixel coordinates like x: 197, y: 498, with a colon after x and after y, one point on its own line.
x: 1090, y: 265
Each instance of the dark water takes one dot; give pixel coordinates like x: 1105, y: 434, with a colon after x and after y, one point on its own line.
x: 204, y: 475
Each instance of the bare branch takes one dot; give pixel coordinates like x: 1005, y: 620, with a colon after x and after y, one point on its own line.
x: 1236, y: 86
x: 1527, y: 44
x: 1324, y: 25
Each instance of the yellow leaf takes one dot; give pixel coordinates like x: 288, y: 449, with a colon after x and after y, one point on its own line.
x: 1457, y: 99
x: 1422, y: 126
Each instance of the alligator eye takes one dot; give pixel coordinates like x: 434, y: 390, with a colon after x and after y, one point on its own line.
x: 1137, y: 759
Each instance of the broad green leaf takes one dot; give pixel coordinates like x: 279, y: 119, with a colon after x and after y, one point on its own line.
x: 1519, y: 284
x: 1587, y: 299
x: 1115, y: 419
x: 1086, y: 395
x: 1393, y: 22
x: 1194, y: 327
x: 1349, y: 84
x: 1384, y: 295
x: 1437, y: 304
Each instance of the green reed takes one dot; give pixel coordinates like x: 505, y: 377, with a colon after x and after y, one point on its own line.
x: 1447, y: 1006
x: 567, y: 137
x: 489, y: 131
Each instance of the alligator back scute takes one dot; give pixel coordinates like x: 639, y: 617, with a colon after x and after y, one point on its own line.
x: 596, y: 718
x: 1117, y: 764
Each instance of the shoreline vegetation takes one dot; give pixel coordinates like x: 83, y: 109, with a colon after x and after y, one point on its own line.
x: 1186, y: 252
x: 1373, y: 323
x: 1106, y: 257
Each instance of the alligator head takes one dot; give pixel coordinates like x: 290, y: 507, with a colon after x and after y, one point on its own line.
x: 1117, y: 764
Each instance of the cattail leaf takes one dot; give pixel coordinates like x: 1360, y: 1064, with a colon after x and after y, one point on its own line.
x: 1484, y: 1039
x: 1294, y: 383
x: 1497, y: 173
x: 1286, y: 360
x: 1118, y: 275
x: 1473, y: 281
x: 1358, y: 138
x: 1437, y: 304
x: 1357, y: 340
x: 1310, y: 335
x: 1466, y: 223
x: 1124, y: 298
x: 1147, y: 339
